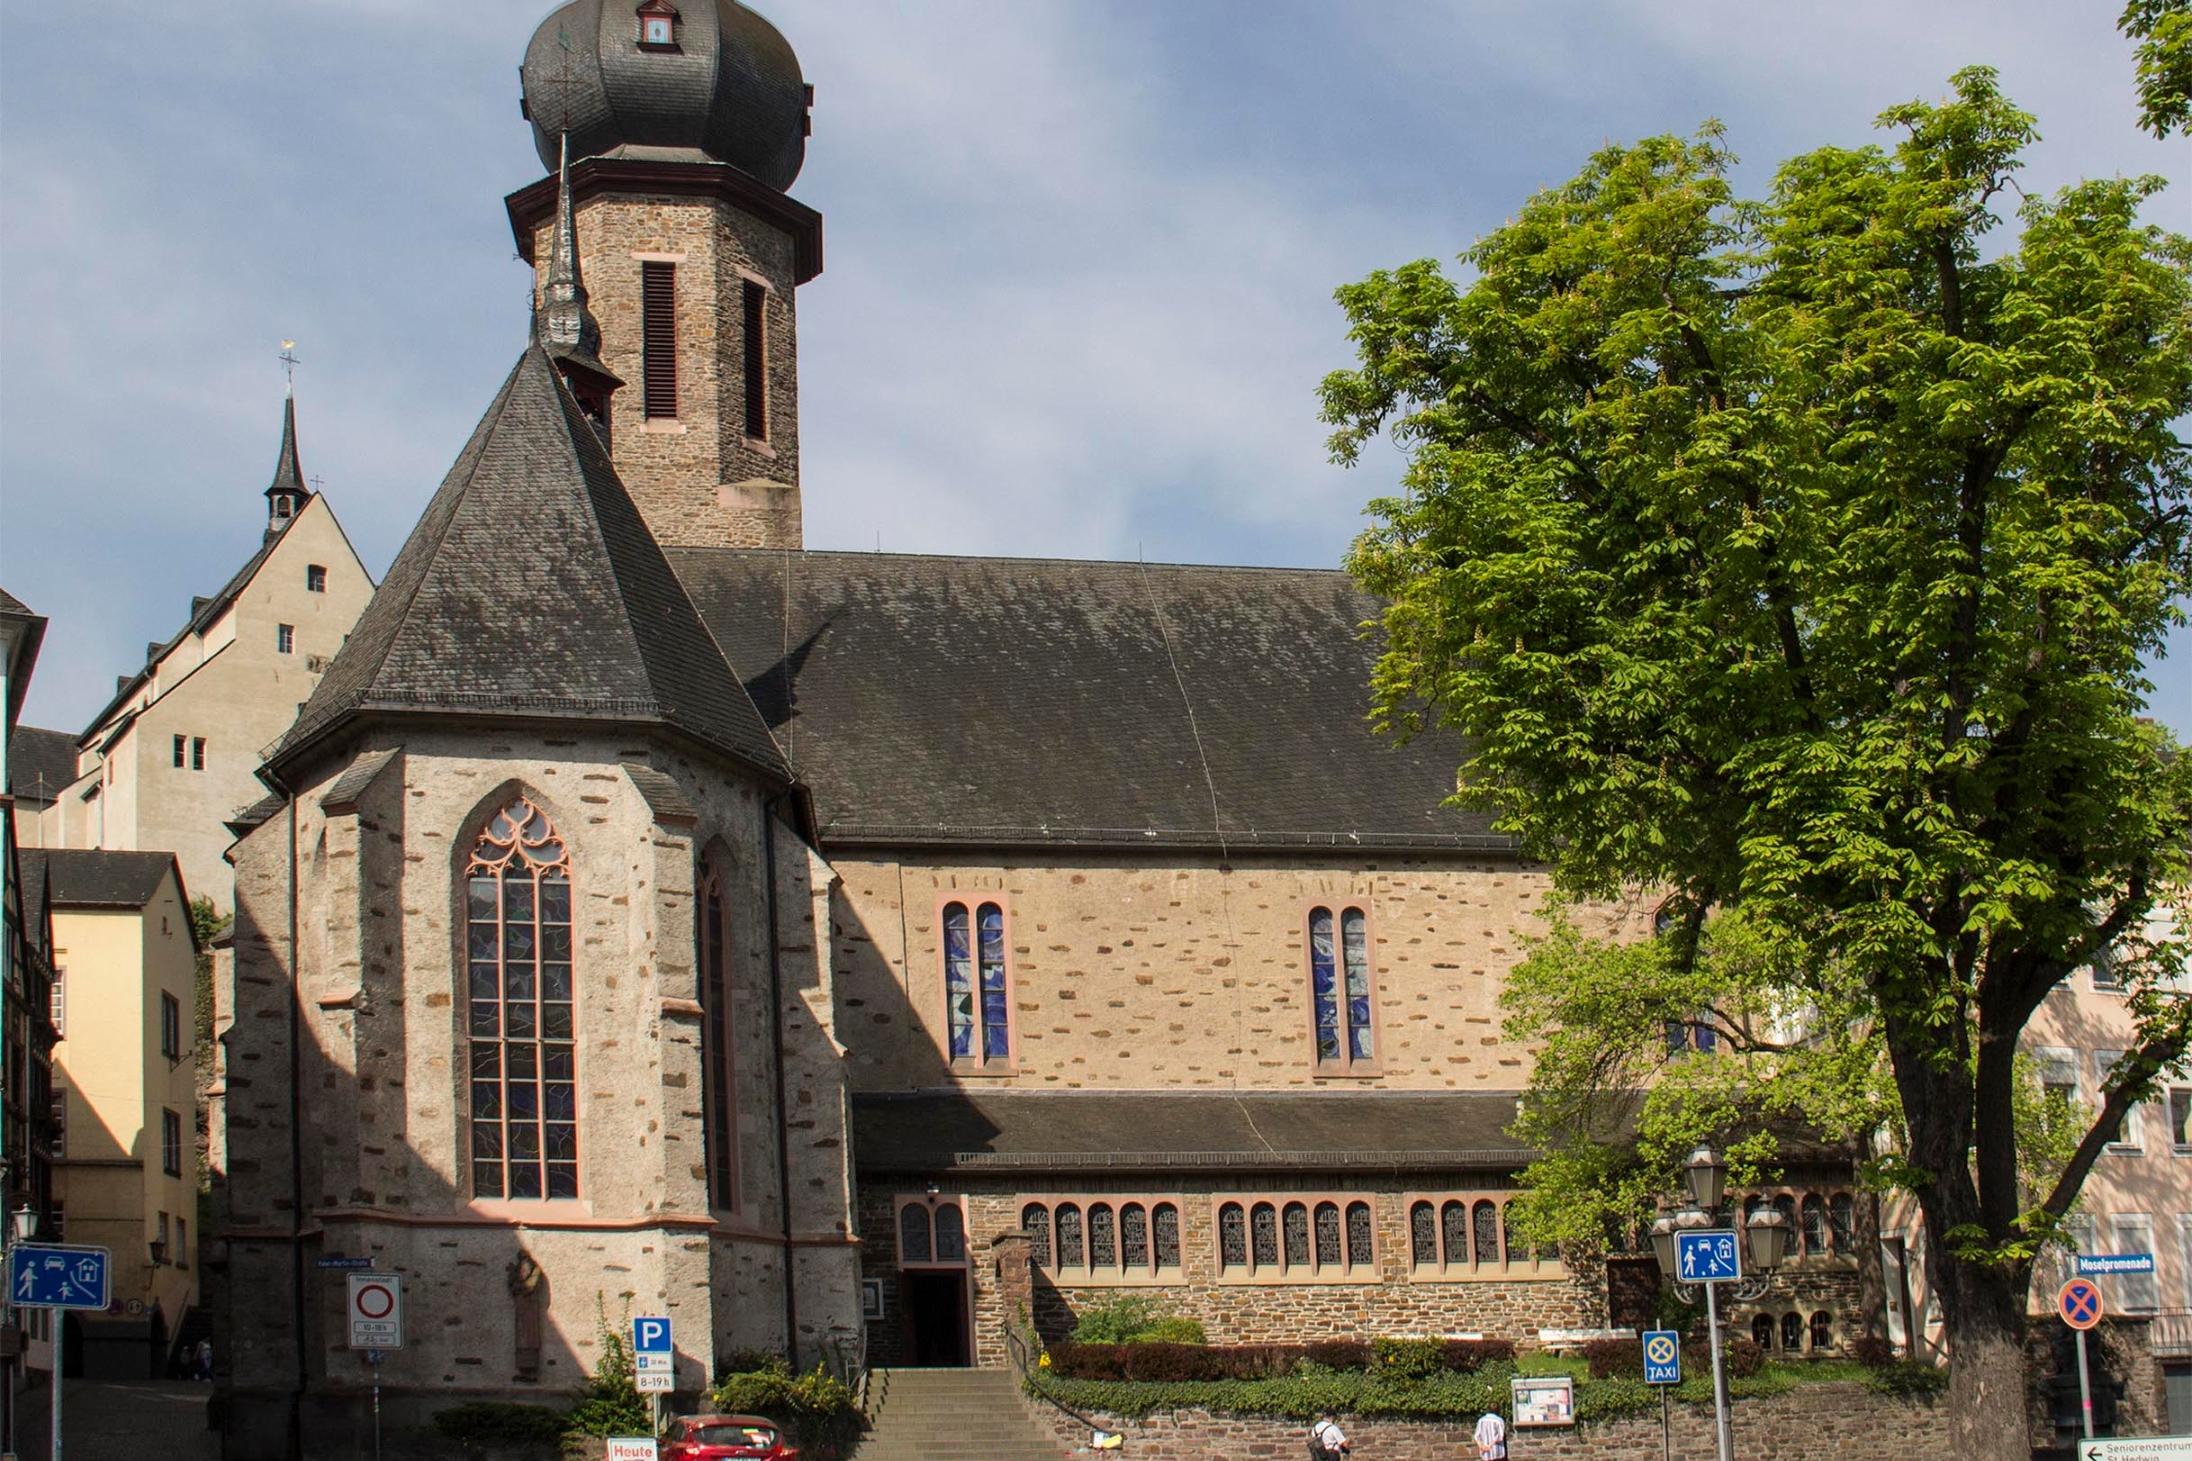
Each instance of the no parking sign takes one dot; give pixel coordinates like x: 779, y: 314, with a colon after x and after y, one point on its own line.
x: 376, y: 1311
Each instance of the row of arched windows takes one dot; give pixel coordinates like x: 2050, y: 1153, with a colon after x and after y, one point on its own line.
x: 1823, y: 1224
x: 931, y: 1234
x: 1467, y: 1235
x: 1100, y: 1239
x: 1295, y: 1238
x: 1791, y: 1334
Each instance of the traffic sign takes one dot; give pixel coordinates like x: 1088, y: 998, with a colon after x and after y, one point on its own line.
x: 336, y: 1260
x: 2080, y: 1303
x: 1710, y: 1256
x: 1662, y: 1357
x: 2141, y: 1448
x: 631, y: 1448
x: 376, y: 1311
x: 57, y: 1276
x: 2097, y: 1265
x: 654, y: 1361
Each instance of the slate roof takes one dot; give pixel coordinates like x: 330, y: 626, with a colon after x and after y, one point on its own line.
x: 532, y: 588
x: 92, y: 878
x: 1067, y: 1131
x: 1010, y: 701
x: 40, y: 763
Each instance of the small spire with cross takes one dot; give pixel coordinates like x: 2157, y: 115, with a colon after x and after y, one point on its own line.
x: 290, y: 362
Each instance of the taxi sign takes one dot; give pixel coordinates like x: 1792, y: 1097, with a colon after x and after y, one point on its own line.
x: 1662, y: 1357
x: 2080, y: 1303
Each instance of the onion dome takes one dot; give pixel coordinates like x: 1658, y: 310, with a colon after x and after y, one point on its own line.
x: 709, y: 79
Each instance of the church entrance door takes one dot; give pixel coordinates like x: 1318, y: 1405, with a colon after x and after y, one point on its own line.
x: 936, y: 1317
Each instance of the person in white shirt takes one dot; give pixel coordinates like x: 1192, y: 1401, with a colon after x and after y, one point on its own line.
x: 1328, y: 1436
x: 1491, y: 1437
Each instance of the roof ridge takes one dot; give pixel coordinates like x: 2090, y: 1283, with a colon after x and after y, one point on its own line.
x: 729, y: 549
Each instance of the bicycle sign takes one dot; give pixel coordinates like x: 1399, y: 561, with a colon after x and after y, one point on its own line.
x: 1711, y: 1256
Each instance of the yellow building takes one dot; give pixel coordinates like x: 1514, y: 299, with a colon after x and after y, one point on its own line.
x: 126, y: 1157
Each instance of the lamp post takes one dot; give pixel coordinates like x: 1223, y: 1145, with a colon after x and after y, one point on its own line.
x: 1763, y: 1241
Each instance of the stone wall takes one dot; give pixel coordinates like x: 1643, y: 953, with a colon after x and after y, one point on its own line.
x: 1825, y: 1422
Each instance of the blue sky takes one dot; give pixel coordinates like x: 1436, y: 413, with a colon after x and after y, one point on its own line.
x: 1080, y: 255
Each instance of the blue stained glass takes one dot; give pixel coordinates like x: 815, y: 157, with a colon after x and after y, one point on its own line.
x: 958, y: 981
x: 996, y: 1044
x: 1323, y: 984
x: 1355, y: 949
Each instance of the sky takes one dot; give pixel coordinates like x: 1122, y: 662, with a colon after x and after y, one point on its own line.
x: 1080, y: 253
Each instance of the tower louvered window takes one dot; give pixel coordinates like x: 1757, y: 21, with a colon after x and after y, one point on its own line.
x: 524, y: 1084
x: 756, y: 299
x: 658, y: 343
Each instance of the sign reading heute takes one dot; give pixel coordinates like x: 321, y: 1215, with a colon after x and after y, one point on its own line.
x: 631, y: 1448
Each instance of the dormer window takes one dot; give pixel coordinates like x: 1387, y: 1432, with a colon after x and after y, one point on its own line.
x: 658, y: 26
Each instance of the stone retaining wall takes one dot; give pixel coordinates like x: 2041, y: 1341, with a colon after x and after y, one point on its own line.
x: 1823, y: 1422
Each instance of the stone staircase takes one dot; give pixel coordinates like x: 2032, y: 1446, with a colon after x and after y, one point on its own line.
x: 951, y: 1415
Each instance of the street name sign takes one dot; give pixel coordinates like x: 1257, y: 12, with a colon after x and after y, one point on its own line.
x: 654, y: 1362
x: 2137, y: 1448
x: 376, y: 1311
x: 1662, y: 1357
x: 336, y: 1260
x: 1710, y: 1256
x: 2097, y: 1265
x: 57, y: 1276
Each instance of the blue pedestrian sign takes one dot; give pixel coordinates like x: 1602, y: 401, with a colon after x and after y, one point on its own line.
x: 54, y: 1276
x: 1710, y: 1256
x: 1662, y: 1357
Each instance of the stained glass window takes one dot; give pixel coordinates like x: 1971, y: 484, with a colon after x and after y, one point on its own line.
x: 1069, y: 1236
x: 1297, y: 1235
x: 524, y: 1080
x: 1103, y: 1237
x: 1134, y: 1236
x: 951, y: 1234
x: 1423, y: 1249
x: 1167, y: 1224
x: 1232, y: 1236
x: 1454, y: 1229
x: 1486, y: 1221
x: 1355, y: 951
x: 958, y: 982
x: 977, y: 1002
x: 1323, y: 985
x: 913, y: 1234
x: 1340, y: 987
x: 995, y: 1044
x: 1035, y: 1221
x: 1263, y: 1228
x: 1359, y: 1235
x: 719, y: 1110
x: 1328, y: 1234
x: 1815, y: 1224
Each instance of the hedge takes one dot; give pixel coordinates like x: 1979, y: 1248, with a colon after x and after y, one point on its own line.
x: 1162, y: 1362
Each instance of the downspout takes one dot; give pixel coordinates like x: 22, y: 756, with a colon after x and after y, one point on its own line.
x: 296, y: 1151
x: 783, y: 1110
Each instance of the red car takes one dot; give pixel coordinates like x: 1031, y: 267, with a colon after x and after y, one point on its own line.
x: 724, y: 1437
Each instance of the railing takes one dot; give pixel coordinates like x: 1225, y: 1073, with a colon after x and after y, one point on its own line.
x: 2171, y: 1334
x: 1024, y: 1366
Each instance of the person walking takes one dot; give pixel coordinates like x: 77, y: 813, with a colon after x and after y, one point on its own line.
x: 1327, y: 1442
x: 1491, y: 1437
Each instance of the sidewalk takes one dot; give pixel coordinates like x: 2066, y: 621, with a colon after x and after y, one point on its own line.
x: 120, y: 1420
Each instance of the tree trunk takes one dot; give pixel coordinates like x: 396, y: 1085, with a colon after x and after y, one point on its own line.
x: 1982, y: 1309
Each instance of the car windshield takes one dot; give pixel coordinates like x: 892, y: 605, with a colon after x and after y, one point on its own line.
x: 758, y: 1436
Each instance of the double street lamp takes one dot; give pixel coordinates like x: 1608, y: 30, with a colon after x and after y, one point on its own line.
x: 1764, y: 1240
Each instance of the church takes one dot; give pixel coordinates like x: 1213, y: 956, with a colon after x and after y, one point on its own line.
x: 838, y: 953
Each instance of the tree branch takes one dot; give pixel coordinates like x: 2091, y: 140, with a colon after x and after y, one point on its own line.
x: 2130, y: 1073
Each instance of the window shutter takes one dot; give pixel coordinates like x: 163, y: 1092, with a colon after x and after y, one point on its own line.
x: 658, y: 306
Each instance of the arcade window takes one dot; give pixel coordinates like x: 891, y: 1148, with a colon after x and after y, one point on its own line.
x: 1465, y: 1235
x: 1341, y: 991
x: 977, y: 991
x: 658, y: 339
x: 1296, y: 1239
x: 522, y: 1051
x: 1104, y: 1240
x: 932, y: 1233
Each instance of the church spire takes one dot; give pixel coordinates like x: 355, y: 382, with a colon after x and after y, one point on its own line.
x: 285, y: 497
x: 566, y: 328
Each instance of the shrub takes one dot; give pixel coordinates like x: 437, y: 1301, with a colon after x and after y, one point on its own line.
x: 1167, y: 1362
x: 1171, y: 1329
x: 816, y: 1407
x: 1871, y: 1351
x: 1467, y: 1356
x: 1412, y: 1359
x: 1745, y: 1358
x: 1115, y: 1322
x: 1903, y: 1377
x: 610, y: 1404
x: 498, y: 1422
x: 746, y: 1361
x: 1338, y: 1354
x: 1081, y: 1361
x: 1611, y: 1357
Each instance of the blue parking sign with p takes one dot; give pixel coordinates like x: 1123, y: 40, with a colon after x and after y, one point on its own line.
x: 1662, y: 1357
x: 650, y: 1335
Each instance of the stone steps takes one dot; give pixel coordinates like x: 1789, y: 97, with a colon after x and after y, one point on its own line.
x: 951, y: 1415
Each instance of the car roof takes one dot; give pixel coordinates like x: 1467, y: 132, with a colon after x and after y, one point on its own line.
x: 760, y: 1420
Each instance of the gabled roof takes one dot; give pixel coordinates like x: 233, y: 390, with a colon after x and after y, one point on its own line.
x: 40, y: 763
x: 1014, y: 701
x: 26, y: 651
x: 78, y: 877
x: 531, y: 588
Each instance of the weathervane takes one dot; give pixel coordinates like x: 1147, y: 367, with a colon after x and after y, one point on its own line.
x: 290, y: 362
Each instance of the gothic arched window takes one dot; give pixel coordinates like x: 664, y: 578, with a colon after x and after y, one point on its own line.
x: 1166, y: 1226
x: 977, y: 997
x: 718, y: 1104
x: 1341, y: 989
x: 1035, y: 1221
x: 524, y: 1081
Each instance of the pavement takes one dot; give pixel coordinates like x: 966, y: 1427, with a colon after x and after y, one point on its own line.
x: 119, y: 1420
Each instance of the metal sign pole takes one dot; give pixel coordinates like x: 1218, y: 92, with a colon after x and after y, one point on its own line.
x: 1666, y: 1431
x: 60, y: 1332
x: 1722, y: 1437
x: 2085, y: 1388
x: 374, y: 1358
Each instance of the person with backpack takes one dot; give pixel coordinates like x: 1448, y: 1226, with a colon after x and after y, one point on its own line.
x: 1327, y: 1442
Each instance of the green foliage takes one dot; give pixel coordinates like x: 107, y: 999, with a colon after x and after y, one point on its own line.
x: 1413, y: 1359
x: 2163, y: 29
x: 611, y: 1405
x: 814, y: 1407
x: 1906, y: 1378
x: 1172, y: 1329
x: 1798, y: 558
x: 499, y: 1423
x: 1131, y: 1319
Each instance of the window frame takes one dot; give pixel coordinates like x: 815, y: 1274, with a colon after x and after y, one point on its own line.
x: 171, y: 1027
x: 285, y: 639
x: 2131, y: 1135
x: 931, y: 1204
x: 1120, y: 1274
x: 1281, y: 1270
x: 1346, y: 1066
x: 181, y: 747
x: 2121, y: 1295
x: 171, y: 1142
x: 315, y: 578
x: 977, y: 1063
x: 197, y: 753
x: 1509, y: 1268
x: 2180, y: 1133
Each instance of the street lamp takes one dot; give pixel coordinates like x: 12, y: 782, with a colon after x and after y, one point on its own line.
x: 1764, y: 1238
x: 26, y: 1223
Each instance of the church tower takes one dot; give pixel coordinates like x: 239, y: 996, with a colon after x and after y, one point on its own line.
x: 685, y: 123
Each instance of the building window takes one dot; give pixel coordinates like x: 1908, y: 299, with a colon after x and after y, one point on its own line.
x: 977, y: 991
x: 1469, y: 1235
x: 756, y: 356
x: 57, y: 1123
x: 1296, y: 1239
x: 2134, y: 1233
x: 2180, y: 1117
x: 182, y: 1242
x: 2129, y: 1136
x: 657, y: 26
x: 1762, y: 1330
x: 2107, y: 975
x: 315, y: 578
x: 1842, y: 1222
x: 1341, y: 989
x: 57, y: 1002
x: 197, y: 753
x: 2057, y: 1067
x: 171, y: 1026
x: 178, y: 753
x: 171, y: 1144
x: 719, y: 1105
x: 1815, y: 1224
x: 932, y: 1232
x: 285, y: 638
x: 658, y: 339
x: 518, y: 955
x: 1822, y: 1330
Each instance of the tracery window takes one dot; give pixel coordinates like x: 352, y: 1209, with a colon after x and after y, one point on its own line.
x: 1842, y: 1220
x: 977, y: 995
x: 1165, y: 1224
x: 1485, y: 1217
x: 1295, y: 1239
x: 719, y: 1106
x: 1328, y: 1232
x: 1263, y: 1235
x: 1359, y: 1235
x: 1341, y: 989
x: 1035, y: 1220
x: 1133, y: 1236
x: 1069, y: 1236
x: 1103, y: 1237
x: 1815, y: 1224
x: 1463, y: 1236
x: 520, y: 1016
x: 1297, y: 1235
x: 932, y: 1232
